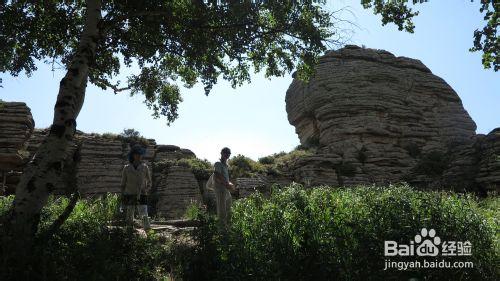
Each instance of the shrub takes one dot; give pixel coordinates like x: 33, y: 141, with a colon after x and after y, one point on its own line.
x: 109, y: 135
x: 133, y: 137
x: 275, y: 164
x: 128, y: 137
x: 285, y: 160
x: 338, y: 234
x: 267, y: 160
x: 490, y: 208
x: 242, y: 167
x: 86, y: 248
x: 202, y: 169
x: 5, y: 204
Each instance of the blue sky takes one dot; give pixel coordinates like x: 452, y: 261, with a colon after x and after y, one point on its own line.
x: 252, y: 119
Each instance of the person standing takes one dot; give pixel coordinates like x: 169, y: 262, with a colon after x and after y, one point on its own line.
x: 135, y: 186
x: 222, y: 186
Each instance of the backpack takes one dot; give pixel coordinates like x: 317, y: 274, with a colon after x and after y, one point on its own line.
x: 211, y: 182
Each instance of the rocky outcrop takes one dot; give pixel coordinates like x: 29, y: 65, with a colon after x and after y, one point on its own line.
x: 176, y: 188
x: 100, y: 162
x: 101, y: 165
x: 16, y: 126
x: 247, y: 186
x: 172, y: 152
x: 372, y: 118
x: 489, y: 165
x: 378, y: 118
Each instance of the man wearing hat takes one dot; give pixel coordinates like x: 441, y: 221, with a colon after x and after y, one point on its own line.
x: 135, y: 185
x: 222, y: 185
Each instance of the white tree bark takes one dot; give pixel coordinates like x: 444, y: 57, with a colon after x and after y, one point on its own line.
x: 43, y: 173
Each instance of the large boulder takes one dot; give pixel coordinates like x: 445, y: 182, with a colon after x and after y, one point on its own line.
x: 16, y: 126
x: 378, y: 118
x: 176, y: 188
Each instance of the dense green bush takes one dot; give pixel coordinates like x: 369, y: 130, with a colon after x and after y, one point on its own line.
x: 271, y: 159
x: 87, y: 248
x: 202, y: 169
x: 241, y: 167
x: 283, y: 160
x: 319, y: 233
x: 130, y: 137
x: 5, y: 203
x: 338, y: 234
x: 276, y: 163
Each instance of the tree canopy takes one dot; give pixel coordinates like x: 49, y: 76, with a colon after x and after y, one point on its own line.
x: 187, y: 41
x: 183, y: 40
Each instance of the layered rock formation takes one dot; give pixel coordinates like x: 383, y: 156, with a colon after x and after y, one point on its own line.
x: 247, y: 186
x: 16, y: 126
x: 377, y: 118
x: 176, y: 188
x: 372, y: 118
x: 489, y: 165
x: 101, y: 160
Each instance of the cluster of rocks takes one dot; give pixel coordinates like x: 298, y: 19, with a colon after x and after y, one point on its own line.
x: 372, y: 117
x: 101, y: 161
x: 377, y: 118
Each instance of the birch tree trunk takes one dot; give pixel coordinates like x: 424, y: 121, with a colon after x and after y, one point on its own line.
x: 43, y: 173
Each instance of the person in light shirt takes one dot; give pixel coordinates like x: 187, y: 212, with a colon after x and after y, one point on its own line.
x: 222, y: 186
x: 135, y: 186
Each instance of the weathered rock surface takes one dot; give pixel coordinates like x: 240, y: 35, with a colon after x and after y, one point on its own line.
x: 101, y: 165
x: 373, y: 118
x: 102, y: 158
x: 489, y: 165
x: 378, y: 118
x: 16, y: 126
x: 247, y: 186
x: 172, y: 152
x: 177, y: 188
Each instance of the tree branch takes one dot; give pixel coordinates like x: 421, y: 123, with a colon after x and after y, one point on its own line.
x: 56, y: 225
x: 115, y: 87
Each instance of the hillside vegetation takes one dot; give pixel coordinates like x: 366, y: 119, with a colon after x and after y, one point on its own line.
x: 321, y: 233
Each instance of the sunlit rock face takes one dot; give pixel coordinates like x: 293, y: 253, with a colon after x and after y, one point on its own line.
x: 378, y: 118
x: 101, y: 159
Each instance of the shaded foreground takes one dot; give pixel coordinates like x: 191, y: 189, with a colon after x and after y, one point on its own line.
x: 295, y: 234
